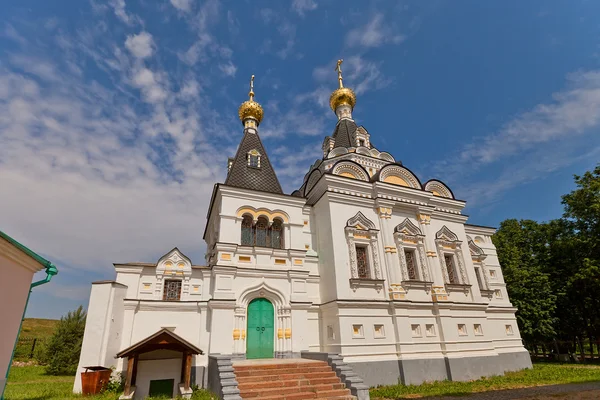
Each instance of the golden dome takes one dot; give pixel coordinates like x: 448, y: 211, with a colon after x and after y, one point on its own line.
x: 251, y: 109
x: 342, y: 96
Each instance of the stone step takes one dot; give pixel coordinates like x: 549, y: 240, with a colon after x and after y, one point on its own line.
x: 281, y: 366
x: 294, y: 396
x: 280, y: 371
x: 333, y: 393
x: 285, y: 377
x: 323, y: 390
x: 333, y: 383
x: 337, y: 398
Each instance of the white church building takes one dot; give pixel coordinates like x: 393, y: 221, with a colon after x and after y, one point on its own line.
x: 364, y: 260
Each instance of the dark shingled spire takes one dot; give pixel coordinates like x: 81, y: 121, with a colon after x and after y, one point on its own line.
x: 244, y: 176
x: 344, y: 133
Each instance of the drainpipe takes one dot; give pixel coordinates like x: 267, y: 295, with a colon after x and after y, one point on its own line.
x: 51, y: 270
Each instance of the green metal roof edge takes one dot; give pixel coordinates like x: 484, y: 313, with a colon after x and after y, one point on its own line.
x: 27, y: 251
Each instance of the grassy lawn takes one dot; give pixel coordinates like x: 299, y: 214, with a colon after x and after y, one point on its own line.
x: 541, y: 374
x: 31, y: 383
x: 38, y: 328
x: 34, y: 328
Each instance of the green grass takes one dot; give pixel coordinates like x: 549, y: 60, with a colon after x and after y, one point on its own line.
x: 32, y: 383
x: 34, y: 328
x: 38, y: 328
x: 541, y: 374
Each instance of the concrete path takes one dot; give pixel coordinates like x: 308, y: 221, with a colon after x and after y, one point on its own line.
x: 552, y: 392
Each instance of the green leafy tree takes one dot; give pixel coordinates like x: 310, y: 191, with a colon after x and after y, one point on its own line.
x: 64, y: 347
x: 582, y: 212
x: 522, y: 252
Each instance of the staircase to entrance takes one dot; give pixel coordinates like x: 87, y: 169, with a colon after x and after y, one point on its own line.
x: 293, y: 379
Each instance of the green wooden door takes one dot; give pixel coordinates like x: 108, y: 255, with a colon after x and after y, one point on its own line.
x: 261, y: 332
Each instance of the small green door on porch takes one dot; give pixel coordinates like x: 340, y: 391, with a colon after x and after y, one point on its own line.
x: 261, y: 332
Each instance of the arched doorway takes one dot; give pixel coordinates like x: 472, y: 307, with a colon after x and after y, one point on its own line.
x: 261, y: 331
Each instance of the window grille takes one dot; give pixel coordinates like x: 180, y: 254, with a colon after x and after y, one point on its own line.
x: 261, y: 234
x: 172, y: 290
x: 276, y: 234
x: 449, y: 260
x: 410, y: 264
x: 262, y: 226
x: 247, y: 237
x: 362, y: 262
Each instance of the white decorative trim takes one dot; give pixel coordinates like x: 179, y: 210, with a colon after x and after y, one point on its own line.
x: 446, y: 242
x: 359, y: 229
x: 408, y: 236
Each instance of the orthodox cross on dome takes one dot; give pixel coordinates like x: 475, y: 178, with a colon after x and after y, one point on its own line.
x: 338, y: 68
x: 251, y: 94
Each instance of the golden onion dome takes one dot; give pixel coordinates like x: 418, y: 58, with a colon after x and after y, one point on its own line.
x: 251, y: 108
x: 342, y: 96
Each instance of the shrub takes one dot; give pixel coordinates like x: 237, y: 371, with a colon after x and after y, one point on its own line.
x: 64, y: 347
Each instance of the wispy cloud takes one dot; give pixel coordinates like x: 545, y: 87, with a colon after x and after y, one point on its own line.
x: 302, y: 6
x: 573, y: 112
x: 376, y: 32
x: 533, y: 144
x: 182, y: 5
x: 228, y: 69
x: 118, y: 7
x: 360, y: 73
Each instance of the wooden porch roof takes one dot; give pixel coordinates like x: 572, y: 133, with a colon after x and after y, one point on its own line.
x: 161, y: 340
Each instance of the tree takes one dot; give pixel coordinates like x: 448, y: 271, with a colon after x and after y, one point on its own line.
x: 582, y: 212
x: 522, y: 252
x: 64, y: 347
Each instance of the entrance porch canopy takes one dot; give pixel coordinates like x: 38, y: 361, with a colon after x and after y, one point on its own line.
x: 161, y: 340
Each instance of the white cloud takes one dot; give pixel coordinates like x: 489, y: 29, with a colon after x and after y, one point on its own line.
x: 302, y: 6
x: 146, y: 80
x: 182, y: 5
x: 374, y: 33
x: 140, y: 45
x: 228, y: 69
x: 89, y: 174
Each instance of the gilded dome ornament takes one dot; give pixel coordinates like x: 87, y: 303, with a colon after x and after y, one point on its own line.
x: 251, y: 108
x: 342, y: 95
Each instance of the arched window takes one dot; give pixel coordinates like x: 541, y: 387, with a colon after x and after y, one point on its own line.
x: 247, y: 236
x: 277, y: 234
x: 261, y: 229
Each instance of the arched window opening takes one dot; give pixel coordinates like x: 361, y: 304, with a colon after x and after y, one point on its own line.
x: 277, y: 234
x: 261, y: 232
x: 247, y: 236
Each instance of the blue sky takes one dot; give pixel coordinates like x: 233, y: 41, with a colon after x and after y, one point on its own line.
x: 117, y: 117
